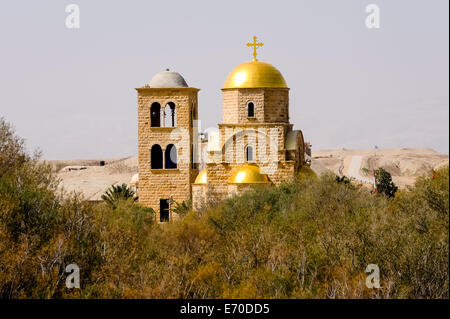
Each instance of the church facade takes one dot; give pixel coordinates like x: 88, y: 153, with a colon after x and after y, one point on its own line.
x: 254, y: 145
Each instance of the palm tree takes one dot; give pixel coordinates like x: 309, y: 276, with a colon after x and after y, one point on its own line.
x: 117, y: 193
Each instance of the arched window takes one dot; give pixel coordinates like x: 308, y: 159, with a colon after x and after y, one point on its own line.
x: 249, y: 155
x: 156, y: 157
x: 171, y: 156
x: 251, y: 109
x: 192, y: 114
x: 155, y: 115
x: 170, y: 116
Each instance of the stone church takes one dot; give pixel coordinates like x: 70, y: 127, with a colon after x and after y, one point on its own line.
x: 254, y: 145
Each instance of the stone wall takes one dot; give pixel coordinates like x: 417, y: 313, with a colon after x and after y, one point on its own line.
x: 276, y: 103
x: 217, y: 176
x: 230, y: 112
x: 268, y: 141
x: 199, y: 198
x: 270, y: 105
x: 250, y: 95
x: 280, y: 172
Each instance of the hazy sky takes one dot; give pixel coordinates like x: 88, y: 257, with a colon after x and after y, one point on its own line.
x: 71, y: 91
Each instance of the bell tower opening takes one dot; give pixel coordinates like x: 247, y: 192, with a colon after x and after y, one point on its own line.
x: 155, y: 115
x: 170, y: 116
x: 171, y: 157
x: 156, y: 157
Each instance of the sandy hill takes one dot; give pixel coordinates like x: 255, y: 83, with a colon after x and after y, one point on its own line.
x: 405, y: 165
x: 91, y: 179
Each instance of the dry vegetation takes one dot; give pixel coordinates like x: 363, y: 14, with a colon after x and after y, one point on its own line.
x: 309, y: 238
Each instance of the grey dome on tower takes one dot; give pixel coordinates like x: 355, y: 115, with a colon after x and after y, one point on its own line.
x: 168, y: 79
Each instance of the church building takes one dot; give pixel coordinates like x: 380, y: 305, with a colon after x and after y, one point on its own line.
x: 254, y: 145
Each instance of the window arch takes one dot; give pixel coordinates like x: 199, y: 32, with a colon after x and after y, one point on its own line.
x: 193, y: 114
x: 170, y: 157
x: 170, y: 115
x: 250, y: 109
x: 249, y: 154
x: 156, y: 158
x: 155, y: 115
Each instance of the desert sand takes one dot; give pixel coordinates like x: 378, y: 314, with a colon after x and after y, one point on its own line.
x: 90, y: 179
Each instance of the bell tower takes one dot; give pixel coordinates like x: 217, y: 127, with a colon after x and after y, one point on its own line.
x: 167, y: 111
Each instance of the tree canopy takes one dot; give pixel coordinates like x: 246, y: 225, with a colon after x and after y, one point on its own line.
x: 308, y: 238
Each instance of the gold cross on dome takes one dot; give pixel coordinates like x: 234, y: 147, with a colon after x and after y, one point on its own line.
x: 255, y: 45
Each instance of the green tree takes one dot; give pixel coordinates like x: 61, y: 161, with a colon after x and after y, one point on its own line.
x: 312, y: 237
x: 40, y: 231
x: 117, y: 193
x: 384, y: 183
x: 12, y: 150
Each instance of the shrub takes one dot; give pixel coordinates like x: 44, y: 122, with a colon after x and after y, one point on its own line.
x: 385, y: 185
x: 308, y: 238
x: 183, y: 208
x: 117, y: 193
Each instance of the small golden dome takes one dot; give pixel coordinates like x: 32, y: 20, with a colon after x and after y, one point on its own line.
x: 249, y: 174
x: 255, y: 74
x: 201, y: 177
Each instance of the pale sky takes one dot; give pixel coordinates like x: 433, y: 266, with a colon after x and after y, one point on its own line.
x: 70, y: 92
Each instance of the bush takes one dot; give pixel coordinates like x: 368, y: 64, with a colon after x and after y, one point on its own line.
x: 384, y: 183
x: 309, y: 238
x: 40, y: 233
x: 115, y: 194
x: 183, y: 208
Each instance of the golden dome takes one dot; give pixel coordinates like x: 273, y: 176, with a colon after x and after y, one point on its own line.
x: 249, y: 174
x: 201, y: 177
x: 255, y: 74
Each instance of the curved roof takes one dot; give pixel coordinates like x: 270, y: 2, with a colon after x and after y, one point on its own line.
x: 255, y: 74
x: 292, y: 141
x: 167, y: 79
x: 201, y: 177
x: 249, y: 174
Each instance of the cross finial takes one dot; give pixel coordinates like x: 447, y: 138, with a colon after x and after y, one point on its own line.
x: 255, y: 45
